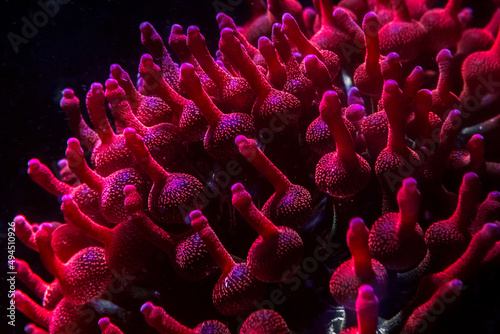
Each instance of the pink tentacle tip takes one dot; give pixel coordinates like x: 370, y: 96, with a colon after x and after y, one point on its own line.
x: 196, y: 214
x: 146, y: 308
x: 96, y: 88
x: 410, y: 184
x: 104, y: 323
x: 67, y: 199
x: 456, y: 285
x: 20, y: 220
x: 245, y: 145
x: 115, y: 68
x: 29, y: 328
x: 129, y: 190
x: 227, y: 35
x: 366, y: 292
x: 111, y: 84
x: 391, y: 86
x: 74, y: 145
x: 356, y: 226
x: 33, y: 166
x: 68, y: 93
x: 147, y: 61
x: 187, y: 71
x: 146, y: 28
x: 237, y: 187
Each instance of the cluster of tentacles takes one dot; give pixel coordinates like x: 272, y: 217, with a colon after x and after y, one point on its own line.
x: 229, y: 184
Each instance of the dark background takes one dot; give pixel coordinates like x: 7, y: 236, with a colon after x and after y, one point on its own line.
x: 74, y: 49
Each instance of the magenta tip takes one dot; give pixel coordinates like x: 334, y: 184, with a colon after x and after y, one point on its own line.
x: 146, y: 307
x: 29, y: 328
x: 67, y: 198
x: 96, y: 87
x: 129, y: 189
x: 195, y: 214
x: 146, y: 27
x: 391, y: 86
x: 187, y: 69
x: 237, y: 187
x: 103, y: 323
x: 68, y: 93
x: 240, y: 140
x: 356, y: 223
x: 366, y: 292
x: 443, y: 55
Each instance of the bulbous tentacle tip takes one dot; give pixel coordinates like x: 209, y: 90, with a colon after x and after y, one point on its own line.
x: 454, y: 115
x: 104, y: 323
x: 237, y: 187
x: 146, y: 308
x: 287, y: 18
x: 187, y: 71
x: 68, y: 93
x: 111, y: 84
x: 129, y: 190
x: 470, y: 178
x: 391, y: 86
x: 264, y: 43
x: 241, y: 197
x: 63, y: 163
x: 492, y: 229
x: 276, y: 27
x: 133, y: 201
x: 146, y: 28
x: 176, y: 29
x: 337, y: 11
x: 74, y: 144
x: 492, y: 196
x: 227, y: 34
x: 456, y: 285
x: 33, y: 166
x: 444, y: 55
x: 74, y: 152
x: 366, y: 292
x: 18, y: 296
x: 392, y: 57
x: 129, y: 133
x: 147, y: 61
x: 410, y: 184
x: 310, y: 62
x: 355, y: 112
x: 193, y: 31
x: 357, y: 224
x: 330, y: 104
x: 96, y: 88
x: 224, y: 20
x: 370, y: 22
x: 20, y: 220
x: 198, y: 220
x: 116, y: 71
x: 67, y: 200
x: 195, y: 214
x: 241, y: 140
x: 424, y: 96
x: 29, y: 328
